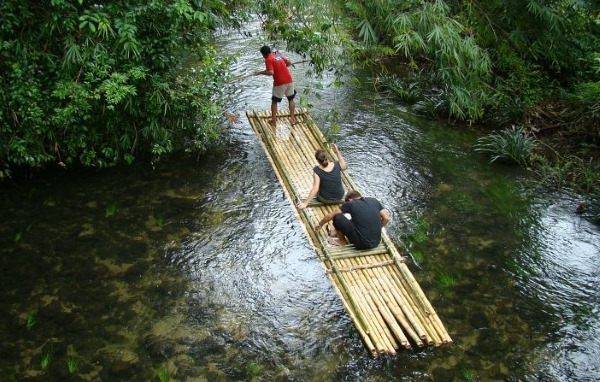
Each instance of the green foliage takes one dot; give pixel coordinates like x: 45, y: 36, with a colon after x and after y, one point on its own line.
x: 100, y: 85
x: 254, y: 369
x: 570, y: 171
x: 430, y: 31
x: 111, y: 210
x: 446, y: 280
x: 163, y: 374
x: 72, y: 364
x: 587, y: 95
x: 406, y: 90
x: 31, y: 318
x: 46, y: 359
x: 466, y: 373
x: 510, y: 145
x: 489, y: 59
x: 312, y: 29
x: 332, y: 134
x: 418, y: 231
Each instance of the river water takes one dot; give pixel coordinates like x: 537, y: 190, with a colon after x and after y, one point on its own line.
x: 199, y: 271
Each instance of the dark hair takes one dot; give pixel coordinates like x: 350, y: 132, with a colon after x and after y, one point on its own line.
x: 321, y: 157
x: 351, y: 195
x: 265, y: 50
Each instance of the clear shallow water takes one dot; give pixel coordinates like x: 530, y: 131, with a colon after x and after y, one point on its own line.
x: 201, y: 269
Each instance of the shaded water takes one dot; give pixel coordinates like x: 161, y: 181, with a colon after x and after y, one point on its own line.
x: 201, y: 270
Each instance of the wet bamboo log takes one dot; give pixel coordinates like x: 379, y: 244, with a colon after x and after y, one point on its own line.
x: 366, y: 266
x: 383, y: 293
x: 402, y: 313
x: 431, y: 336
x: 374, y: 317
x: 373, y: 331
x: 381, y: 305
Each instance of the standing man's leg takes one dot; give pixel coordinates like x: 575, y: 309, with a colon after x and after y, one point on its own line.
x: 291, y: 94
x: 278, y: 94
x: 273, y: 113
x: 292, y: 112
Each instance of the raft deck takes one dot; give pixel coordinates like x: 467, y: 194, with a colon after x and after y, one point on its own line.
x: 382, y: 297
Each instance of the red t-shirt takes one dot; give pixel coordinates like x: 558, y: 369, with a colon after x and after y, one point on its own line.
x: 281, y: 73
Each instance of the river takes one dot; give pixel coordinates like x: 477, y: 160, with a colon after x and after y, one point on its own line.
x: 199, y: 271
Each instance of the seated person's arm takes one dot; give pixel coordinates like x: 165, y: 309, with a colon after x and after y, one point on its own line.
x: 343, y: 164
x: 313, y: 192
x: 327, y: 218
x: 385, y: 217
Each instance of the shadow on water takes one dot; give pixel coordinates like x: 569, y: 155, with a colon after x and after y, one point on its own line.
x: 200, y: 271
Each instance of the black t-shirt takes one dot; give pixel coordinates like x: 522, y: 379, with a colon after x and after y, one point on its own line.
x: 367, y: 220
x: 330, y: 185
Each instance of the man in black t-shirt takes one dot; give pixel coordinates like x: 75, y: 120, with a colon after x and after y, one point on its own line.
x: 363, y: 228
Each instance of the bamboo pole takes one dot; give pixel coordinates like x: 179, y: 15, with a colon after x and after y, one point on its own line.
x: 406, y: 307
x: 380, y: 278
x: 279, y: 159
x: 433, y: 326
x: 366, y: 309
x: 369, y: 344
x: 430, y: 312
x: 352, y: 252
x: 256, y: 125
x: 382, y: 306
x: 378, y: 320
x: 361, y: 303
x: 367, y: 266
x: 431, y: 332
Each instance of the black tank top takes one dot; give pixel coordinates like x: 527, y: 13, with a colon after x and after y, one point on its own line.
x: 330, y: 186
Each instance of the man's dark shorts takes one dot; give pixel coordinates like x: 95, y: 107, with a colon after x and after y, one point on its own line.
x: 345, y: 226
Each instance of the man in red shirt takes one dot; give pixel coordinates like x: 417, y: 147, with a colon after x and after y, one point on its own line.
x: 283, y: 85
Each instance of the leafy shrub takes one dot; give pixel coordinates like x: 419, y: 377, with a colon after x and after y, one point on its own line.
x: 510, y: 145
x: 100, y: 84
x: 406, y: 90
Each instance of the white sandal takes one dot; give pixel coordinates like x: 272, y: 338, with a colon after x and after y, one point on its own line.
x: 334, y: 241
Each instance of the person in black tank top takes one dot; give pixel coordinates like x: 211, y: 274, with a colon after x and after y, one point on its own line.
x: 327, y: 179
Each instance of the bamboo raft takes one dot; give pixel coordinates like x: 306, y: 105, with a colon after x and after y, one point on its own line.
x: 379, y: 292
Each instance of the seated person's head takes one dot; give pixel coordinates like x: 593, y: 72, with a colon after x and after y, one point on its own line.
x: 351, y: 195
x: 321, y: 157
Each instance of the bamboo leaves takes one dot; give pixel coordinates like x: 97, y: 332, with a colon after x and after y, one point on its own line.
x: 127, y: 39
x: 460, y: 65
x: 367, y: 33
